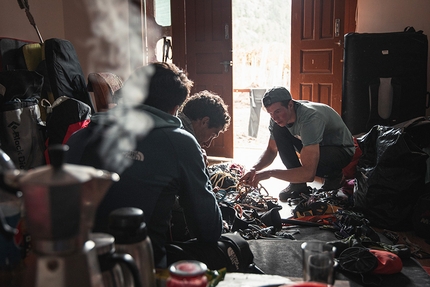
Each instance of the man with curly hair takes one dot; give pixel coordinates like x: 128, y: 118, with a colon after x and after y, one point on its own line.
x: 204, y: 115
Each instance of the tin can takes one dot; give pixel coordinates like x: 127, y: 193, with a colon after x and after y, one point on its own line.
x: 189, y: 273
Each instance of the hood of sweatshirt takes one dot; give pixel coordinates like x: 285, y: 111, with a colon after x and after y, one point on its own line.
x: 155, y: 117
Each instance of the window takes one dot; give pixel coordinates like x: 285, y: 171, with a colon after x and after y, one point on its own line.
x: 162, y: 13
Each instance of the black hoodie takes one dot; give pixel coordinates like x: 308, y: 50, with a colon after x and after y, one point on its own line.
x: 166, y: 163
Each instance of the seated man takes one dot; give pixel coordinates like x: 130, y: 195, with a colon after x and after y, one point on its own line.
x: 313, y: 130
x: 205, y: 116
x: 167, y: 162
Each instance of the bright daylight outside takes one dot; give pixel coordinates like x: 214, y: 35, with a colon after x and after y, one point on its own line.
x: 261, y: 60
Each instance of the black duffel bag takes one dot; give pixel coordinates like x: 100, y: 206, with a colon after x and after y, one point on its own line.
x: 390, y: 177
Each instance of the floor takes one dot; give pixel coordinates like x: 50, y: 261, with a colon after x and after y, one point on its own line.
x: 248, y: 156
x: 248, y: 149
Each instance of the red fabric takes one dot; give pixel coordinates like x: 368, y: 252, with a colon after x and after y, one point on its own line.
x: 74, y: 128
x: 388, y: 262
x: 70, y: 130
x: 348, y: 187
x: 350, y: 170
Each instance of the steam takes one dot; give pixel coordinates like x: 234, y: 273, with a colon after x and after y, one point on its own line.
x: 111, y: 22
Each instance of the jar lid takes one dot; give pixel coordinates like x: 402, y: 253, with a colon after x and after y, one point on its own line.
x: 188, y: 268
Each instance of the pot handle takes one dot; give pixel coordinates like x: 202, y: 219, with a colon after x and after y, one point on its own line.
x: 127, y: 260
x: 6, y: 229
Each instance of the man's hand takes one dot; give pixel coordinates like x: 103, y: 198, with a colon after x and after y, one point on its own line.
x: 248, y: 178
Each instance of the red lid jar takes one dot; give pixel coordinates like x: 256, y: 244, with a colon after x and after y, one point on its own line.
x: 189, y: 273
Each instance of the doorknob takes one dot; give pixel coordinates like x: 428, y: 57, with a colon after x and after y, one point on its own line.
x: 226, y: 65
x: 339, y: 43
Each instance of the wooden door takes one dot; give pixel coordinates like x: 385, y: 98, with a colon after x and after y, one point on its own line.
x: 205, y: 52
x: 317, y: 51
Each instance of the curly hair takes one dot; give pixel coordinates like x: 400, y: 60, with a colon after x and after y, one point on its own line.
x: 207, y: 104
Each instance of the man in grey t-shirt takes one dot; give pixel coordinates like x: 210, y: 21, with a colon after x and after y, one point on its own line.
x: 312, y: 131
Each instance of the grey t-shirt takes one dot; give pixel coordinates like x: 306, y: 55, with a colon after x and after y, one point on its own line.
x: 318, y: 123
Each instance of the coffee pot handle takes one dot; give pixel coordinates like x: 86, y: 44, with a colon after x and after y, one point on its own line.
x: 6, y: 229
x: 129, y: 262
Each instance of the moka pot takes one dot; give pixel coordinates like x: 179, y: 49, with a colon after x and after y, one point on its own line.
x: 60, y: 202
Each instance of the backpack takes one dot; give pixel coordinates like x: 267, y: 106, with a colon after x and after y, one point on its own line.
x: 11, y: 57
x: 231, y: 252
x: 21, y: 128
x: 64, y: 71
x: 50, y: 79
x: 64, y: 117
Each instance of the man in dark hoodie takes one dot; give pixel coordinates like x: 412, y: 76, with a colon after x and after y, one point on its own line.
x: 166, y: 163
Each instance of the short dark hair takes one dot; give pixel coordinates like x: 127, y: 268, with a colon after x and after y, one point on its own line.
x: 169, y: 86
x: 207, y: 104
x: 285, y: 103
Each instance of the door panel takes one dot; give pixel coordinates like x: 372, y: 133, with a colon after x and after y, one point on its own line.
x: 208, y: 46
x: 317, y: 51
x: 201, y: 41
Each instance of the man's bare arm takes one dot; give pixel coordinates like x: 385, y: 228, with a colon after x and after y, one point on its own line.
x: 268, y: 156
x: 309, y: 158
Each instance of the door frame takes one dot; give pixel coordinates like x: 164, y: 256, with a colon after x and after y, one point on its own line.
x: 179, y: 25
x: 218, y: 44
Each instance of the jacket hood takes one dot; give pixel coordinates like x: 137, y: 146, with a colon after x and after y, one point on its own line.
x: 159, y: 118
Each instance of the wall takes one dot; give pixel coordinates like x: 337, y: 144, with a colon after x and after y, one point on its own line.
x: 380, y: 16
x: 98, y: 47
x: 69, y: 19
x: 14, y: 22
x: 99, y: 31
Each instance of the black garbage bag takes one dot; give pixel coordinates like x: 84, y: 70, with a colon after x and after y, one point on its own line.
x: 390, y: 177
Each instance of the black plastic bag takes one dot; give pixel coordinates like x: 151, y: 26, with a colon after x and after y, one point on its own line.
x: 421, y: 216
x: 390, y: 177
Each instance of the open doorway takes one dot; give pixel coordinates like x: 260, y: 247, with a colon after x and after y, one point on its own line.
x: 255, y: 39
x: 261, y: 60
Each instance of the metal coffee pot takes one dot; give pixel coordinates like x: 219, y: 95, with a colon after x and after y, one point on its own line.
x: 10, y: 217
x: 128, y: 227
x: 117, y: 268
x: 60, y: 201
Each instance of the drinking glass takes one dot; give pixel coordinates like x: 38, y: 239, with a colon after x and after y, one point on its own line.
x: 318, y: 262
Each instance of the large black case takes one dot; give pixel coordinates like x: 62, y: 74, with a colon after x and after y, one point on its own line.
x: 384, y: 78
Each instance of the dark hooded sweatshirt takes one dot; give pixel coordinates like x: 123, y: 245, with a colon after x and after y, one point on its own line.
x: 166, y: 163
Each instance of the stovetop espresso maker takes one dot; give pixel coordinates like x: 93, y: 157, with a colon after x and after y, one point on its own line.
x: 60, y: 201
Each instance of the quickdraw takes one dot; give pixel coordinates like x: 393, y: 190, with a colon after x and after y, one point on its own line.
x: 248, y: 203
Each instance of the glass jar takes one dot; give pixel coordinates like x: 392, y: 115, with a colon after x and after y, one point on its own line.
x: 188, y: 273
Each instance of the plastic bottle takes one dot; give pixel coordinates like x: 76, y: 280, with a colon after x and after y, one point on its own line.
x: 128, y: 227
